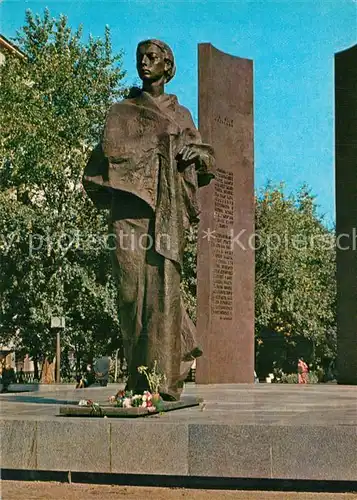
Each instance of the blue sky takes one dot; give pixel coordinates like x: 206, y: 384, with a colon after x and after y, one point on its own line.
x: 291, y: 42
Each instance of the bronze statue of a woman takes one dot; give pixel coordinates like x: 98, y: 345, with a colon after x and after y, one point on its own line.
x: 147, y: 170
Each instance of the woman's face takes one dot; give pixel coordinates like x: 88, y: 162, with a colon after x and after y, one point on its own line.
x: 150, y: 62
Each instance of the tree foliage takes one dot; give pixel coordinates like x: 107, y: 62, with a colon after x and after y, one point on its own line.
x: 295, y: 289
x: 54, y: 250
x: 54, y: 258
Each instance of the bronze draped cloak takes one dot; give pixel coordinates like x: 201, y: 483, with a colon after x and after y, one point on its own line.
x: 139, y: 155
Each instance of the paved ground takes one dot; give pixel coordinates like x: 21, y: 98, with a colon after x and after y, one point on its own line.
x: 266, y: 404
x: 13, y: 490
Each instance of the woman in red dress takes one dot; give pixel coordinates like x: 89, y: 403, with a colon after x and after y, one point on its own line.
x: 303, y: 370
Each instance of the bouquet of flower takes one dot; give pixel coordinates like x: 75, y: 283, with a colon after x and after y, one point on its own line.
x: 151, y: 400
x: 126, y: 399
x: 95, y: 407
x: 154, y: 377
x: 85, y: 402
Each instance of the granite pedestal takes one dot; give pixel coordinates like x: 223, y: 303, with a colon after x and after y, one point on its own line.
x: 258, y: 431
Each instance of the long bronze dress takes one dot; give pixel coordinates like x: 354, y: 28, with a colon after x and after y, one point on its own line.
x: 136, y: 171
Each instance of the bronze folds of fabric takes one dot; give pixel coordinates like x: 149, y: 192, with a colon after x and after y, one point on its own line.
x: 138, y: 173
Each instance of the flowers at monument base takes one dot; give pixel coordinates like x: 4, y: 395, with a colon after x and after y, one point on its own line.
x: 154, y: 377
x: 85, y: 402
x: 125, y: 403
x: 152, y: 402
x: 95, y: 407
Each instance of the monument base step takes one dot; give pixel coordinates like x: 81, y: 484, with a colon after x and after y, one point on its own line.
x: 258, y: 431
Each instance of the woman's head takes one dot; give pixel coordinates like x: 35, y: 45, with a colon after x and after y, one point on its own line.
x: 154, y: 60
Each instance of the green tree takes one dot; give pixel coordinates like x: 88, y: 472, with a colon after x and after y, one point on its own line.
x: 295, y: 289
x: 54, y: 257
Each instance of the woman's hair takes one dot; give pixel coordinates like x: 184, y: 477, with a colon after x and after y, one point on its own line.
x: 168, y: 54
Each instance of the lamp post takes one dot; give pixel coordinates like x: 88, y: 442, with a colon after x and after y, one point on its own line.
x: 58, y: 323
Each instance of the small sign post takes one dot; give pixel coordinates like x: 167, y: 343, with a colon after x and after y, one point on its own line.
x: 58, y: 323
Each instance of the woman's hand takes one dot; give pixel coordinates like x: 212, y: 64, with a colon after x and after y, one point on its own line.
x: 188, y: 155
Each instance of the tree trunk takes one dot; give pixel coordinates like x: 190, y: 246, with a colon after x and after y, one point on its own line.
x: 36, y: 371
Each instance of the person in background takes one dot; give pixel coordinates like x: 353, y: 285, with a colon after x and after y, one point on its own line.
x: 81, y: 382
x: 303, y: 371
x: 7, y: 377
x: 101, y: 369
x: 90, y: 375
x: 21, y: 377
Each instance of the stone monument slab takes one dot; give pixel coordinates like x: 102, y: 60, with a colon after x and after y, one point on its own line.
x: 346, y: 212
x: 225, y: 267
